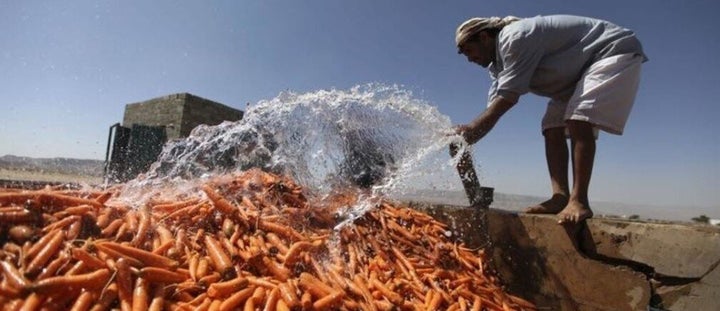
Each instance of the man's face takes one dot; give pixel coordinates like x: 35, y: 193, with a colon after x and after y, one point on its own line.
x: 480, y: 51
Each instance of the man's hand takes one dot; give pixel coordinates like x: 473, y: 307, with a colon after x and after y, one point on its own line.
x: 471, y: 132
x: 475, y: 130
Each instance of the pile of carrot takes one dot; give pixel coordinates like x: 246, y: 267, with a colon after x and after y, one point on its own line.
x: 248, y: 241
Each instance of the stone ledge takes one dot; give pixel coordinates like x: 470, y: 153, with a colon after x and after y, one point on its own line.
x: 606, y: 265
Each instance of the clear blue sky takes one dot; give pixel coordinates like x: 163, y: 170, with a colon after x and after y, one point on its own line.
x: 68, y: 68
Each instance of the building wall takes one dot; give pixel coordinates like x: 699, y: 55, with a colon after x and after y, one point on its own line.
x: 203, y: 111
x: 162, y: 111
x: 178, y: 113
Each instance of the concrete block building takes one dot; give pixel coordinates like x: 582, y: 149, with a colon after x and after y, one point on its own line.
x: 135, y: 144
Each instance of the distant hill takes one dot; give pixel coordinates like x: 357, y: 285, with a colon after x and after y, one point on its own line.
x: 65, y: 166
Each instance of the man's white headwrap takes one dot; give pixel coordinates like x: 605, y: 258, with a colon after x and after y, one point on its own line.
x: 477, y: 24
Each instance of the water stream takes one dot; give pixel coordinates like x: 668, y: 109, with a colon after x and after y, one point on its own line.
x: 377, y: 137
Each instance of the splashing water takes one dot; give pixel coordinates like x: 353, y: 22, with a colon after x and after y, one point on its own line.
x: 374, y: 136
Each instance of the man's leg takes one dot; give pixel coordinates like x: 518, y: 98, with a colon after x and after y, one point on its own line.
x: 583, y: 155
x: 556, y: 154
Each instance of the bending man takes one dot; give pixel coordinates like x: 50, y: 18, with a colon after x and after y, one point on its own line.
x: 588, y: 68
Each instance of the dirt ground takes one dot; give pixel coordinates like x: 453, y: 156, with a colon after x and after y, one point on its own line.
x: 20, y: 175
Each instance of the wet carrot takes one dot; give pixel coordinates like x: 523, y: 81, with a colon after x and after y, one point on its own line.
x: 223, y: 205
x: 140, y: 300
x: 328, y: 301
x: 306, y: 301
x: 54, y: 266
x: 92, y: 280
x: 236, y: 299
x: 288, y: 294
x: 172, y: 206
x: 393, y: 297
x: 164, y: 248
x: 44, y: 255
x: 272, y: 300
x: 13, y: 276
x: 314, y: 286
x: 32, y: 303
x: 477, y: 304
x: 211, y: 278
x: 282, y: 306
x: 160, y: 275
x: 75, y: 210
x: 220, y: 259
x: 107, y: 297
x: 84, y: 301
x: 142, y: 229
x: 117, y: 255
x: 279, y: 272
x: 202, y: 267
x: 112, y: 227
x: 144, y: 256
x: 61, y: 200
x: 224, y: 289
x: 293, y: 254
x: 17, y: 216
x: 158, y: 300
x: 281, y: 230
x: 90, y: 260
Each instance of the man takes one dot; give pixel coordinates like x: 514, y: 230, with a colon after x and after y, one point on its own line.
x: 590, y: 70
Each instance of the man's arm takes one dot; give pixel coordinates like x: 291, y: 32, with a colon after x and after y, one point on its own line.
x: 477, y: 128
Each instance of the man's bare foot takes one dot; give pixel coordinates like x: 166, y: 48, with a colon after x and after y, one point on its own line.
x: 552, y: 206
x: 575, y: 212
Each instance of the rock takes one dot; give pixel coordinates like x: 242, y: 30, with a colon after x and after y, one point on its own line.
x: 670, y: 249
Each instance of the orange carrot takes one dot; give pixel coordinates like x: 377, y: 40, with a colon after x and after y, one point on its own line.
x: 289, y: 295
x: 32, y: 302
x: 84, y: 301
x: 13, y: 276
x: 236, y: 299
x: 211, y: 278
x: 169, y: 207
x: 144, y: 256
x: 314, y: 286
x: 220, y: 259
x: 160, y: 275
x: 108, y: 297
x: 223, y: 289
x: 158, y: 299
x: 279, y: 272
x: 44, y: 255
x: 272, y: 300
x: 282, y: 306
x: 90, y: 260
x: 16, y: 216
x: 140, y: 295
x: 142, y: 229
x: 115, y: 254
x: 112, y: 227
x: 281, y: 230
x: 92, y: 280
x: 75, y: 210
x: 123, y: 278
x: 54, y: 266
x: 219, y: 202
x: 40, y: 244
x: 293, y: 254
x: 328, y: 301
